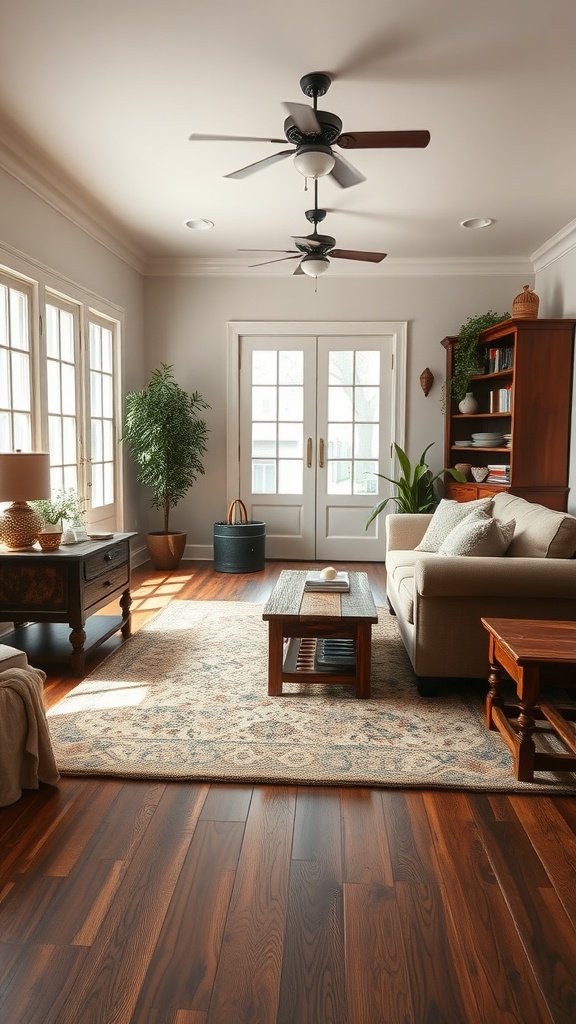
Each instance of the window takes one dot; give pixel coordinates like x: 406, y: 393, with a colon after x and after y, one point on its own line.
x: 59, y: 389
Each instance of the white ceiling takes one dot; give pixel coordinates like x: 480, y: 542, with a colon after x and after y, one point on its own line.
x: 110, y: 90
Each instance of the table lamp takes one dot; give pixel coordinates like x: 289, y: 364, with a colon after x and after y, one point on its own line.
x: 24, y: 477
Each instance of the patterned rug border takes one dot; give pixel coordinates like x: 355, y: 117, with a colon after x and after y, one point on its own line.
x: 128, y: 727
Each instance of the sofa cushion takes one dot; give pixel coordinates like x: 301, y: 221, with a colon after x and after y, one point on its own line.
x: 540, y: 532
x: 478, y: 535
x: 400, y: 568
x: 448, y: 515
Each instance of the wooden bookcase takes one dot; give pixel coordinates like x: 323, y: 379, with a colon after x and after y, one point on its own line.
x: 538, y: 356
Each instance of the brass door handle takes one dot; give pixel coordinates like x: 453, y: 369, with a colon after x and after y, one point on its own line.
x: 309, y: 453
x: 321, y: 453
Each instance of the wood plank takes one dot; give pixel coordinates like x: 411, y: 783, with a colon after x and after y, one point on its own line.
x: 227, y: 802
x: 23, y: 999
x: 117, y: 961
x: 539, y: 917
x: 366, y: 853
x: 378, y: 982
x: 248, y: 975
x: 184, y: 963
x: 553, y: 841
x: 412, y: 852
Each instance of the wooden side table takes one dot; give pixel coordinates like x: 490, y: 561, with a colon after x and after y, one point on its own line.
x: 59, y: 592
x: 531, y: 652
x: 297, y: 617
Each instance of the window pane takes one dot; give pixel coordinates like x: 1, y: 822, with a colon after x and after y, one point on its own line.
x: 68, y: 390
x: 367, y: 368
x: 290, y: 440
x: 66, y: 336
x: 69, y: 440
x: 264, y: 440
x: 97, y: 489
x: 52, y: 333
x: 4, y: 379
x: 96, y: 438
x: 339, y: 440
x: 23, y: 431
x: 70, y: 477
x: 106, y: 351
x: 95, y: 394
x: 340, y: 367
x: 107, y: 386
x: 339, y: 476
x: 290, y: 368
x: 264, y: 368
x: 20, y: 381
x: 108, y: 440
x: 290, y: 476
x: 108, y: 483
x: 55, y: 439
x: 5, y: 439
x: 53, y: 374
x: 95, y: 347
x: 4, y: 338
x: 19, y: 332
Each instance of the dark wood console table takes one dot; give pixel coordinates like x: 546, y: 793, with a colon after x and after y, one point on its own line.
x: 44, y: 592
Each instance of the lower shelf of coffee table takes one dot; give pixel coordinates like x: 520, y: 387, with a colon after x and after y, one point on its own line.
x: 299, y: 664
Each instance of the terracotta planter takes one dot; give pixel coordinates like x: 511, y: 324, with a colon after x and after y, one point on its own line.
x: 166, y: 549
x: 49, y: 540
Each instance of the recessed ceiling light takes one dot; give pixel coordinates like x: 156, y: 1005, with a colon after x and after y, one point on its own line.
x: 200, y: 224
x: 476, y: 222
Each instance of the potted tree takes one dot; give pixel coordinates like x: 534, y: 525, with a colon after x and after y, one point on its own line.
x: 167, y: 440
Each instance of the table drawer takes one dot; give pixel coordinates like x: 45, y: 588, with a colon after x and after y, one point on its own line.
x: 102, y: 562
x: 108, y: 584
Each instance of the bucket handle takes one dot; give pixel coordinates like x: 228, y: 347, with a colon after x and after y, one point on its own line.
x: 231, y: 512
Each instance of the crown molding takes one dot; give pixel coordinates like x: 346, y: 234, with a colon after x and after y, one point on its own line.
x: 559, y: 245
x: 392, y: 267
x: 43, y: 177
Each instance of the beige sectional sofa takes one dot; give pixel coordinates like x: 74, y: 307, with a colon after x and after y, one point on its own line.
x: 439, y: 599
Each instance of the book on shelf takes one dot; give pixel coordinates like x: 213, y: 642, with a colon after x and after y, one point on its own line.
x: 314, y: 581
x: 501, y: 399
x: 500, y: 359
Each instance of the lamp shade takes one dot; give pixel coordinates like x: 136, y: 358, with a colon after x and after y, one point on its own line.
x: 314, y: 161
x: 24, y: 476
x: 314, y: 266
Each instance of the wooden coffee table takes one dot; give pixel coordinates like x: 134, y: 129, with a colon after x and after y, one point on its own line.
x: 301, y: 618
x: 531, y: 652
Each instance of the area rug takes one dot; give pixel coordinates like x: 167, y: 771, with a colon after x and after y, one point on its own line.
x: 186, y: 698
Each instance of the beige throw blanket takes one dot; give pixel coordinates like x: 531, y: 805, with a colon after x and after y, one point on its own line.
x: 26, y: 755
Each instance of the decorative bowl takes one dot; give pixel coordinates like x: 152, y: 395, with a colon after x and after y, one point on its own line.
x: 464, y: 468
x: 479, y: 473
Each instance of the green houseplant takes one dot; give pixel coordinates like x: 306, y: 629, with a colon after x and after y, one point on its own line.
x: 168, y: 440
x: 65, y: 505
x: 414, y: 487
x: 467, y: 357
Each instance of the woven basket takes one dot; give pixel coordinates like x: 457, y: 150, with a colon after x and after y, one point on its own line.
x: 525, y: 305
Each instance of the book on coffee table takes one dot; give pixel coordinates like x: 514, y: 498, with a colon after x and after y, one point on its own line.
x: 314, y: 581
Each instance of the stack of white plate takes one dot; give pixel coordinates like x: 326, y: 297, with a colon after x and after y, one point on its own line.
x: 488, y: 439
x: 463, y: 444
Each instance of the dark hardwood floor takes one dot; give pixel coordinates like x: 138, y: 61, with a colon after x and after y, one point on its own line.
x: 134, y: 902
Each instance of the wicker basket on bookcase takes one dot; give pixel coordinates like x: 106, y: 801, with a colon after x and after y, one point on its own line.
x: 525, y: 305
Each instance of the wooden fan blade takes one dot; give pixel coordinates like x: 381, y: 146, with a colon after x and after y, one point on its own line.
x: 232, y: 138
x: 245, y: 172
x: 351, y: 254
x: 384, y: 140
x: 344, y: 174
x: 281, y: 260
x: 304, y: 118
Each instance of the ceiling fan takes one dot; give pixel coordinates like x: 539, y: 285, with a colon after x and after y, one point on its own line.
x: 313, y: 250
x: 314, y: 132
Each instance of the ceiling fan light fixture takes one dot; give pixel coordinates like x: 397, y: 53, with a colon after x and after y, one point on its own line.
x: 314, y: 265
x: 476, y: 223
x: 314, y: 161
x: 200, y: 224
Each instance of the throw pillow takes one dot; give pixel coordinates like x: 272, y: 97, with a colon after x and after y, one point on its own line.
x: 448, y: 515
x: 479, y: 536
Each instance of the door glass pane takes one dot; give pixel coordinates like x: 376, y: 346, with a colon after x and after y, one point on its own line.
x: 263, y: 477
x: 367, y: 368
x: 339, y: 473
x: 290, y: 403
x: 290, y: 478
x: 263, y: 403
x: 264, y: 368
x: 340, y: 368
x: 339, y: 440
x: 340, y: 403
x: 291, y: 368
x: 263, y: 440
x: 365, y: 480
x: 366, y: 437
x: 366, y: 404
x: 106, y: 351
x: 290, y: 440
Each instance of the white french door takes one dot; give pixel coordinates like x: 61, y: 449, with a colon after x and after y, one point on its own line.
x: 317, y: 413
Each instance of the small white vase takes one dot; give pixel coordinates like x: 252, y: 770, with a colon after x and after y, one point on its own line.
x: 468, y: 404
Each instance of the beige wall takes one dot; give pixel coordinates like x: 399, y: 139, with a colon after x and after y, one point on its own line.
x: 186, y: 320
